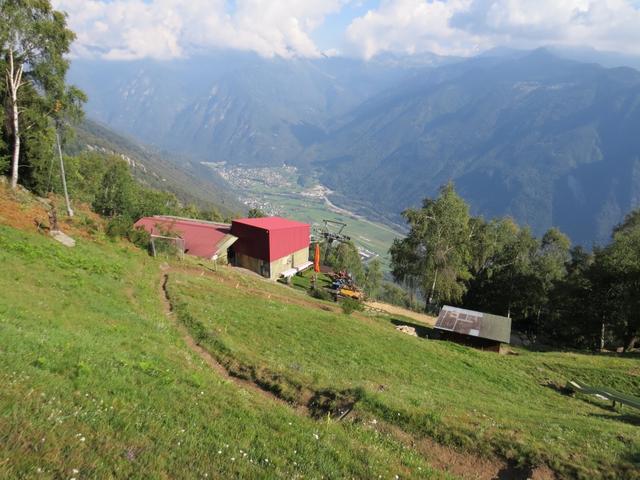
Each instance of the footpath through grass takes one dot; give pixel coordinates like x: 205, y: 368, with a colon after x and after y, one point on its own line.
x: 97, y: 383
x: 476, y: 401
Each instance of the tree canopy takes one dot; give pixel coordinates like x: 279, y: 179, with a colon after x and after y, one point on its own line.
x: 553, y: 292
x: 437, y: 250
x: 34, y: 42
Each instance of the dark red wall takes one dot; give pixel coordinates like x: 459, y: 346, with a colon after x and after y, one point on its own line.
x: 269, y: 244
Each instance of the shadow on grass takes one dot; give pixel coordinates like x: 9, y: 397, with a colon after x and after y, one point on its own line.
x: 513, y: 471
x: 559, y: 388
x: 630, y: 418
x: 421, y: 330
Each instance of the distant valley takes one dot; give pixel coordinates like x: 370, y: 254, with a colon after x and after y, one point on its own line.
x: 547, y: 140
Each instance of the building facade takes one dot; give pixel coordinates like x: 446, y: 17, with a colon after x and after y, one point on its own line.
x: 270, y: 246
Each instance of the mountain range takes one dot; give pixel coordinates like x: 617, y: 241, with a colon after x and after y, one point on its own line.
x: 535, y: 135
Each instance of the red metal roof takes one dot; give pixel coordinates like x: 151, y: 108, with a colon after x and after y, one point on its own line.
x: 270, y: 238
x: 201, y: 238
x: 271, y: 223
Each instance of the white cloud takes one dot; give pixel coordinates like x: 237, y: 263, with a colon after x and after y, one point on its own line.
x: 130, y: 29
x: 462, y: 27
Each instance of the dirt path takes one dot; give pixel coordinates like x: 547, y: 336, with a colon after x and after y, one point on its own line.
x: 394, y: 310
x: 205, y: 355
x: 441, y: 457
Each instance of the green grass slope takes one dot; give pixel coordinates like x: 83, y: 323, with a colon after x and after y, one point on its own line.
x: 98, y: 383
x: 476, y: 401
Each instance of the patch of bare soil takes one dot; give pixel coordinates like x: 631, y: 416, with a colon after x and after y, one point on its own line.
x: 395, y: 310
x: 17, y: 213
x: 22, y: 210
x: 466, y: 465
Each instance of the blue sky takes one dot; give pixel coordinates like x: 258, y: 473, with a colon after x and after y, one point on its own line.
x: 165, y: 29
x: 329, y: 35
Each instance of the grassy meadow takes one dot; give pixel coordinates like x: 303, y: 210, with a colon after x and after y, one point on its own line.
x: 98, y: 383
x: 307, y: 351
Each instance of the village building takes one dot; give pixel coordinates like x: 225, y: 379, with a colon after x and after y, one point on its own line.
x: 271, y: 246
x: 475, y: 329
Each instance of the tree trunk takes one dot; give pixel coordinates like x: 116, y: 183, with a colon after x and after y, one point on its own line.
x: 602, y: 337
x: 64, y: 177
x: 631, y: 343
x: 14, y: 81
x: 433, y: 288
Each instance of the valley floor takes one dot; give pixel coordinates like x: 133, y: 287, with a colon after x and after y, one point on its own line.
x: 106, y: 374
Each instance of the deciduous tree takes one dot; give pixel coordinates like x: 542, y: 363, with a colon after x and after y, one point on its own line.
x: 437, y: 250
x: 34, y: 40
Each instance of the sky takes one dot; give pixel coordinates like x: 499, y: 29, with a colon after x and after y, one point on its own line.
x: 168, y: 29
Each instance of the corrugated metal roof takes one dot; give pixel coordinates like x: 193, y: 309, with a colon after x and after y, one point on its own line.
x: 475, y: 324
x: 201, y: 238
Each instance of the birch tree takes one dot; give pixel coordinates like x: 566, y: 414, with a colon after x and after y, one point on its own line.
x: 34, y: 40
x: 437, y: 249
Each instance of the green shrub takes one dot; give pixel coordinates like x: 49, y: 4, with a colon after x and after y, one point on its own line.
x: 320, y: 293
x: 139, y: 237
x: 118, y: 227
x: 349, y: 305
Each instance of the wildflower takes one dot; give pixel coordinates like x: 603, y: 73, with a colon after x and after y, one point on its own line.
x: 233, y: 459
x: 75, y: 471
x: 219, y: 452
x: 82, y: 439
x: 315, y: 435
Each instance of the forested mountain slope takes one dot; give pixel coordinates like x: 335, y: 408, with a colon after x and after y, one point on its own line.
x: 191, y: 182
x: 545, y: 140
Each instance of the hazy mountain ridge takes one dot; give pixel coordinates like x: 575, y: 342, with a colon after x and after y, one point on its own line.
x: 191, y: 183
x: 239, y: 108
x: 547, y: 140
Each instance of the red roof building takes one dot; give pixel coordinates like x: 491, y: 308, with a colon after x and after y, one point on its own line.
x: 270, y: 245
x: 201, y: 238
